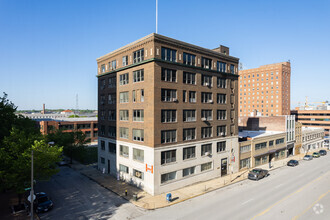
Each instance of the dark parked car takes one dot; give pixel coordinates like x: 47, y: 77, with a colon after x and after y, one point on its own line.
x: 308, y: 157
x: 293, y: 163
x: 323, y: 152
x: 257, y: 174
x: 42, y: 202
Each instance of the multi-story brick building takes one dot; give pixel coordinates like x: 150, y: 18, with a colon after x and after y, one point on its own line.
x: 167, y: 113
x: 265, y: 89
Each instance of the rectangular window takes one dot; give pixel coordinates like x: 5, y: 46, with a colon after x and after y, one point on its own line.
x: 169, y: 95
x: 188, y: 171
x: 112, y: 148
x: 206, y: 80
x: 123, y: 150
x: 138, y: 75
x: 279, y: 141
x: 244, y: 149
x: 168, y: 116
x: 221, y: 67
x: 134, y: 96
x: 221, y: 114
x: 184, y: 96
x: 112, y: 131
x: 123, y: 97
x: 168, y: 177
x: 189, y: 152
x: 206, y: 132
x: 222, y: 130
x: 189, y: 134
x: 113, y: 65
x: 103, y: 68
x: 244, y: 163
x: 102, y: 130
x: 102, y: 97
x: 221, y: 98
x: 138, y: 115
x: 221, y: 146
x: 123, y: 133
x: 206, y: 149
x: 189, y: 115
x: 189, y: 78
x: 206, y: 63
x: 189, y: 59
x: 123, y: 168
x: 221, y: 83
x: 111, y: 98
x: 138, y: 134
x: 271, y: 143
x: 168, y: 156
x: 102, y: 145
x: 207, y: 97
x: 168, y: 136
x: 206, y: 115
x: 125, y: 60
x: 260, y: 146
x: 123, y: 79
x: 232, y: 69
x: 142, y: 95
x: 258, y: 161
x: 138, y: 155
x: 123, y: 115
x: 112, y: 82
x: 138, y: 174
x: 138, y: 56
x: 168, y: 75
x: 192, y: 96
x: 102, y: 160
x: 206, y: 166
x: 168, y: 54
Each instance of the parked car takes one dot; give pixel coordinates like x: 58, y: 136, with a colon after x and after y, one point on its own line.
x: 42, y: 202
x: 323, y: 152
x: 308, y: 157
x: 316, y: 154
x: 257, y: 174
x: 293, y: 163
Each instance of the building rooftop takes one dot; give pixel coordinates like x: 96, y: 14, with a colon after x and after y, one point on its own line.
x: 257, y: 134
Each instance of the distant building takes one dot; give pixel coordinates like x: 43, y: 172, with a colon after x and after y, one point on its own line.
x: 298, y: 135
x: 265, y: 89
x: 312, y: 139
x: 67, y: 112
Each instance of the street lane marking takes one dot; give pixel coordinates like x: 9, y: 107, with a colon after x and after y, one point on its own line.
x: 285, y: 198
x: 298, y: 216
x: 247, y: 201
x: 278, y: 186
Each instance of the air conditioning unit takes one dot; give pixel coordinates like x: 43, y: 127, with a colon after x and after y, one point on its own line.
x: 222, y: 133
x: 175, y: 100
x: 204, y: 119
x: 207, y: 84
x: 207, y: 67
x: 207, y: 154
x: 210, y: 101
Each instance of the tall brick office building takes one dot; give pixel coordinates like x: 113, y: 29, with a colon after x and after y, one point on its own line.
x: 265, y: 89
x: 167, y: 113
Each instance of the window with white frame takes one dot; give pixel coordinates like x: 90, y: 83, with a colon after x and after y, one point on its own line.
x: 245, y: 148
x: 168, y: 75
x: 138, y: 115
x: 221, y: 146
x: 168, y: 116
x: 207, y: 97
x: 168, y: 95
x: 189, y: 134
x: 189, y: 59
x: 123, y: 97
x: 244, y: 163
x: 125, y: 60
x: 138, y: 56
x: 123, y: 132
x: 168, y: 156
x: 206, y: 149
x: 221, y: 98
x: 189, y: 78
x: 206, y: 166
x: 222, y: 130
x: 189, y: 115
x: 142, y: 95
x: 221, y: 114
x: 206, y: 80
x: 138, y: 155
x: 221, y: 67
x: 123, y: 79
x: 189, y: 152
x: 206, y: 63
x: 123, y: 150
x: 138, y: 134
x: 206, y: 132
x: 138, y: 75
x: 206, y: 115
x: 168, y: 54
x: 168, y: 136
x: 192, y: 96
x: 168, y: 177
x: 123, y: 115
x: 103, y: 68
x: 188, y: 171
x: 221, y: 82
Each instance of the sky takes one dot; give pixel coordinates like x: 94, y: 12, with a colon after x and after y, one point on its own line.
x: 48, y: 49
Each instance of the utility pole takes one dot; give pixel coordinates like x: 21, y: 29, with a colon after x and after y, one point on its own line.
x: 32, y: 193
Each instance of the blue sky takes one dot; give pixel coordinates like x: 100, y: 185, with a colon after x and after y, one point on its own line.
x: 48, y: 49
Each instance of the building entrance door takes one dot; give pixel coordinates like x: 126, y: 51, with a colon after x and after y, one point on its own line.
x: 224, y: 167
x: 108, y: 166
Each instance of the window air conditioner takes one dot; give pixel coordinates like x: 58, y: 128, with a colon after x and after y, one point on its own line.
x: 175, y: 99
x: 210, y: 101
x: 204, y: 119
x: 207, y: 84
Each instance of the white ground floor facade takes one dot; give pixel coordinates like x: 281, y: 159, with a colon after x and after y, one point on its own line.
x: 163, y: 169
x: 311, y: 146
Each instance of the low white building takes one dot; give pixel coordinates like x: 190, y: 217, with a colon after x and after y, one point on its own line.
x: 312, y: 139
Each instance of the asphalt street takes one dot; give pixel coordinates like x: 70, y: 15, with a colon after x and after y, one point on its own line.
x: 301, y: 192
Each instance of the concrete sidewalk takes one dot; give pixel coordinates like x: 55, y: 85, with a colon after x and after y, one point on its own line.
x: 147, y: 201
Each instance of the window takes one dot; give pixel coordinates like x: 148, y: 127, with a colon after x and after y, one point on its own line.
x: 169, y: 95
x: 123, y: 151
x: 221, y: 67
x: 134, y: 96
x: 168, y: 116
x: 189, y: 115
x: 168, y: 75
x: 189, y: 78
x: 112, y: 82
x: 138, y: 155
x: 192, y: 96
x: 206, y: 115
x: 113, y: 65
x: 206, y: 80
x: 102, y: 97
x: 221, y: 98
x: 221, y: 82
x: 103, y: 68
x: 244, y: 163
x: 189, y: 152
x: 138, y: 56
x: 221, y: 146
x: 232, y: 69
x: 102, y: 130
x: 123, y: 79
x: 142, y: 95
x: 112, y: 98
x: 138, y: 134
x: 102, y: 160
x: 271, y: 143
x: 222, y: 130
x: 168, y: 54
x: 206, y: 132
x: 188, y: 171
x: 123, y: 115
x: 138, y: 76
x: 102, y: 84
x: 189, y: 59
x: 280, y: 141
x: 206, y: 166
x: 206, y: 149
x: 112, y: 131
x: 168, y: 136
x: 125, y: 60
x: 102, y: 115
x: 221, y: 114
x: 189, y: 134
x: 168, y: 156
x: 138, y: 174
x: 138, y: 115
x: 261, y: 145
x: 123, y: 133
x: 112, y: 148
x: 123, y: 97
x: 207, y: 97
x: 184, y: 95
x: 246, y: 148
x: 123, y: 168
x: 206, y: 63
x: 168, y: 177
x: 102, y: 145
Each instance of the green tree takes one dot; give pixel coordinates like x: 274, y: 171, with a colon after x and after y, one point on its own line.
x: 7, y: 116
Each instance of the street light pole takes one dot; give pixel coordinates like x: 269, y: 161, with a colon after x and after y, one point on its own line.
x: 32, y: 193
